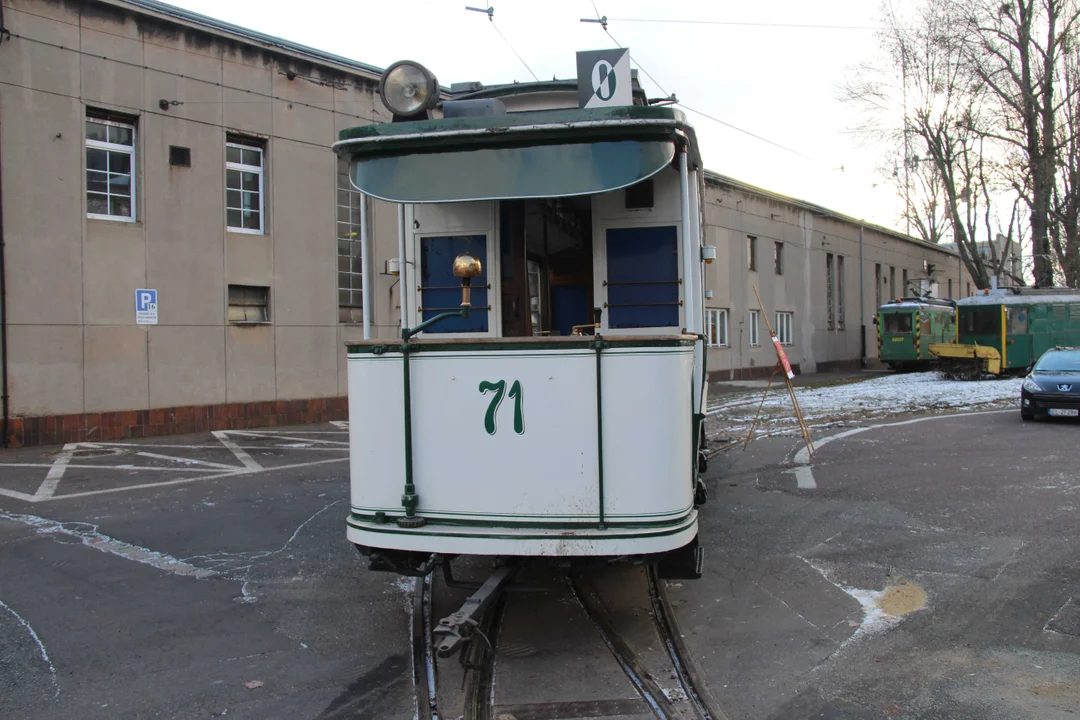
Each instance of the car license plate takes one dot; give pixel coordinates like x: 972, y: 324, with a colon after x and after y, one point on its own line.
x: 1063, y: 412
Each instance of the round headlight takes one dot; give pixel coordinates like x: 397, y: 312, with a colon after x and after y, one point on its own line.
x: 408, y: 88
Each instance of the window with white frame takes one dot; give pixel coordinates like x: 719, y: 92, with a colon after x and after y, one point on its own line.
x: 716, y: 327
x: 784, y: 323
x: 754, y: 317
x: 244, y: 186
x: 110, y: 169
x: 349, y: 248
x: 840, y: 292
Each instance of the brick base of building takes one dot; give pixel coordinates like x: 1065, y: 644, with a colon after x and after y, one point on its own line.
x: 125, y: 424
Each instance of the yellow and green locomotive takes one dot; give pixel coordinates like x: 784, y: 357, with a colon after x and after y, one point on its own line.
x: 907, y: 327
x: 1004, y: 331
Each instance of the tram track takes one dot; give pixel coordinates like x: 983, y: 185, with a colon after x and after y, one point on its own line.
x: 425, y: 668
x: 669, y: 683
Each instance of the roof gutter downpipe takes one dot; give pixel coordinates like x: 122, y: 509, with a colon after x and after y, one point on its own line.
x: 5, y: 441
x: 862, y: 299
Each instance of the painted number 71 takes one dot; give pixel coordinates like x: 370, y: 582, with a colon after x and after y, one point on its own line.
x: 499, y: 388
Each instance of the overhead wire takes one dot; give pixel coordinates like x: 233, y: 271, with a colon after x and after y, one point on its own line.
x: 490, y: 12
x: 746, y: 24
x: 603, y: 24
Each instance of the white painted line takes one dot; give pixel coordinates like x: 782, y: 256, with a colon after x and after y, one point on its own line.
x: 37, y: 640
x: 188, y: 461
x: 80, y: 466
x: 242, y: 456
x: 185, y: 481
x: 340, y: 423
x: 92, y: 538
x: 804, y: 474
x: 249, y: 433
x: 56, y: 472
x: 17, y: 495
x: 804, y: 478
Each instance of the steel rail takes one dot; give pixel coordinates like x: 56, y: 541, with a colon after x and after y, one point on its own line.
x: 425, y: 673
x: 690, y: 675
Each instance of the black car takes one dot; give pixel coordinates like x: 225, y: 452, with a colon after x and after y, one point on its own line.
x: 1052, y: 388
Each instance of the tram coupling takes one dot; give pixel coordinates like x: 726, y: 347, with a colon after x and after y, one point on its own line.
x: 457, y: 628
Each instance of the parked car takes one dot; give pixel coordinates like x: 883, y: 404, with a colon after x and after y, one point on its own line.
x: 1052, y: 387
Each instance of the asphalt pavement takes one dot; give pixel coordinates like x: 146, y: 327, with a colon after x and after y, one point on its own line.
x: 931, y: 572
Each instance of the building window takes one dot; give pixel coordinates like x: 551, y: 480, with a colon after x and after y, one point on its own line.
x: 110, y: 169
x: 716, y: 327
x: 249, y: 304
x: 877, y: 284
x: 830, y: 281
x: 751, y: 250
x: 892, y: 281
x: 778, y: 257
x: 840, y: 292
x: 349, y: 249
x: 968, y: 289
x: 244, y: 186
x: 904, y: 291
x: 950, y: 289
x: 785, y: 321
x: 754, y: 327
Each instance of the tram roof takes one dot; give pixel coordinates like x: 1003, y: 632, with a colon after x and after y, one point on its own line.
x: 1049, y: 298
x: 540, y: 153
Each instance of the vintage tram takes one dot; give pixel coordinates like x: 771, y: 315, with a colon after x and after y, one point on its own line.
x: 906, y: 327
x: 544, y: 398
x: 1003, y: 331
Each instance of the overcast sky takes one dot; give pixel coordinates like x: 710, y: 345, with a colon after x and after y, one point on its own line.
x: 780, y: 83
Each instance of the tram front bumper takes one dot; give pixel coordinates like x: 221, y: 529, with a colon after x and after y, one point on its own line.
x: 461, y: 538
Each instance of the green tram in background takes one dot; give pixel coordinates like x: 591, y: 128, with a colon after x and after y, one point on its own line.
x: 906, y: 327
x: 1004, y: 331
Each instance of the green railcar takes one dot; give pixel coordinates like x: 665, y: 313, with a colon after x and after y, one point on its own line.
x: 1004, y: 331
x: 906, y: 327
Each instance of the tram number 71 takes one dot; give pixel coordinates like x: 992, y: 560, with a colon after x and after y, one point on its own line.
x: 499, y: 388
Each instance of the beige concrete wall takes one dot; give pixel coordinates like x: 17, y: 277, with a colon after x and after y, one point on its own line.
x: 732, y: 214
x: 75, y: 346
x: 74, y: 343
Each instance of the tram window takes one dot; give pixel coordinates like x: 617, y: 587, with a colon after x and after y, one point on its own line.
x: 643, y: 277
x: 897, y: 322
x: 981, y: 322
x: 1017, y: 320
x: 535, y: 308
x: 640, y: 195
x: 440, y: 291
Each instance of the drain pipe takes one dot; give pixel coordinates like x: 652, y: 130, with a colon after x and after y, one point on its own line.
x: 5, y: 442
x: 862, y: 299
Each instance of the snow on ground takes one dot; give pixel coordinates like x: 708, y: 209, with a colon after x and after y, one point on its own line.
x: 731, y: 415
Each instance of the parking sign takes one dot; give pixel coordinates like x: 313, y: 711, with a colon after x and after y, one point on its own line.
x: 145, y: 307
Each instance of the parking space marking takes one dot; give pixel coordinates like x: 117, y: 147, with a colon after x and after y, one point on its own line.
x: 237, y: 451
x: 804, y: 473
x: 288, y: 437
x: 187, y: 461
x: 197, y: 469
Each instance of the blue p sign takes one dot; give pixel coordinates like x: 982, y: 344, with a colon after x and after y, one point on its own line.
x: 146, y: 300
x: 146, y: 307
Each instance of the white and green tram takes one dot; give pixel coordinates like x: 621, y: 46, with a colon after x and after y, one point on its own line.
x: 545, y: 396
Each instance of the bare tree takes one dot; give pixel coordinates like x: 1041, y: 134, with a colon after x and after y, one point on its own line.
x: 1065, y: 203
x: 1014, y: 50
x: 925, y: 103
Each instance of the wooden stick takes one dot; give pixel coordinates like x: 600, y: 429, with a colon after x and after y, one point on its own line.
x: 760, y: 405
x: 799, y: 418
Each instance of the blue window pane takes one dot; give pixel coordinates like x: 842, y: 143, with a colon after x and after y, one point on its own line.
x: 441, y: 291
x: 643, y: 277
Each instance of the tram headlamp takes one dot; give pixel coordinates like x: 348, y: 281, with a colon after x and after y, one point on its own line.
x: 408, y: 88
x: 467, y: 266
